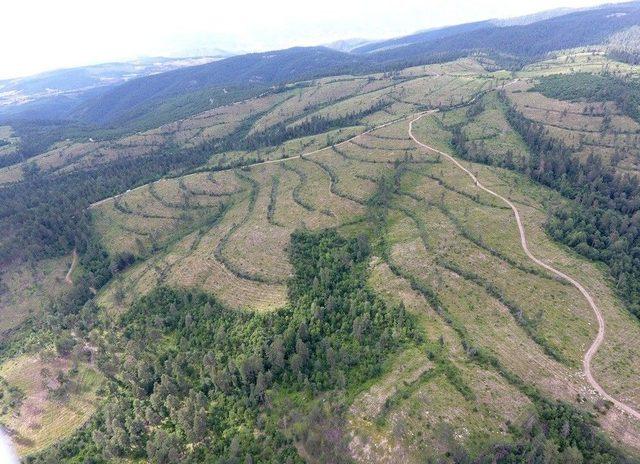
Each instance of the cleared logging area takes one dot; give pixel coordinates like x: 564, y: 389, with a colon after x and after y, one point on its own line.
x: 26, y: 289
x: 53, y: 399
x: 186, y: 133
x: 445, y: 238
x: 586, y: 127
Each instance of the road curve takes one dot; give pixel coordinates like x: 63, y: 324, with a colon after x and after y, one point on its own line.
x: 588, y: 356
x: 586, y: 362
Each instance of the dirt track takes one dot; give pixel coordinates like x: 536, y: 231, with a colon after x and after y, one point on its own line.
x: 277, y: 160
x: 74, y: 262
x: 588, y: 356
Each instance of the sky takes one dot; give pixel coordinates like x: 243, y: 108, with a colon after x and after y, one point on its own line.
x: 39, y: 35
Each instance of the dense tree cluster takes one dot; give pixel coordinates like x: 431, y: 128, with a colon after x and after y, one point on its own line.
x: 225, y: 385
x: 594, y: 88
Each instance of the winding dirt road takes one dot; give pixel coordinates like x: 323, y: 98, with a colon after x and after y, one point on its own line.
x: 588, y: 356
x: 586, y: 362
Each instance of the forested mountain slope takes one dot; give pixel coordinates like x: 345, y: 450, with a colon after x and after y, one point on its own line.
x: 318, y: 285
x: 315, y: 256
x: 523, y: 42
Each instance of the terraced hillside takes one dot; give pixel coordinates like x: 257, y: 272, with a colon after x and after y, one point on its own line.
x: 587, y: 128
x: 479, y: 351
x: 451, y: 255
x: 196, y: 130
x: 265, y: 204
x: 330, y: 98
x: 562, y: 96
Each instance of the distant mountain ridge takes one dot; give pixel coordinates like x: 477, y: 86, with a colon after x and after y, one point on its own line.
x: 587, y: 27
x: 535, y: 17
x: 59, y: 90
x: 348, y: 45
x: 257, y: 70
x: 512, y: 43
x: 420, y: 37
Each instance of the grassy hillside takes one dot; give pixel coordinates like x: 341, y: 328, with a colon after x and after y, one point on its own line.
x: 28, y: 288
x: 305, y: 282
x: 440, y: 236
x: 52, y: 397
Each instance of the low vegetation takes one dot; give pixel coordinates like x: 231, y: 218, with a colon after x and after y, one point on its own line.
x: 601, y: 223
x: 319, y: 287
x: 48, y: 397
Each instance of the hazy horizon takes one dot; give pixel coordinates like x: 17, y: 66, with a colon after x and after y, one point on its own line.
x: 71, y: 33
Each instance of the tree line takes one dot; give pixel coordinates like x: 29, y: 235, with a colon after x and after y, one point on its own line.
x: 281, y: 132
x: 594, y: 88
x: 240, y: 386
x: 601, y: 222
